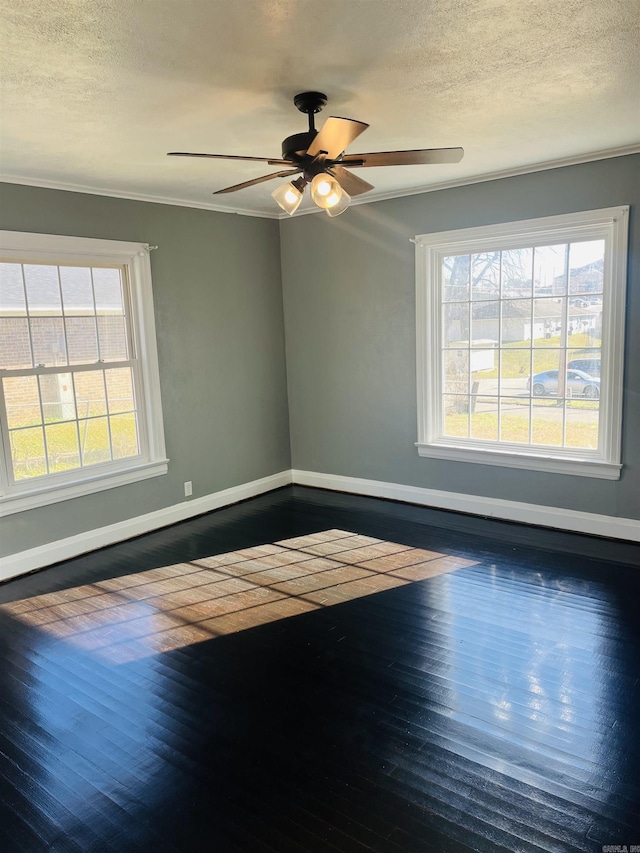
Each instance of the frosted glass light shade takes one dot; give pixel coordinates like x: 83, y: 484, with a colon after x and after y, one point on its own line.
x: 340, y: 206
x: 288, y: 197
x: 327, y: 193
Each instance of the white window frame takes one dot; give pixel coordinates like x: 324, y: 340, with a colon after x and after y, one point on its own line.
x: 609, y: 224
x: 133, y: 258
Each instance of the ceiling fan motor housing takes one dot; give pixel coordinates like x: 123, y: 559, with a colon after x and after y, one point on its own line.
x: 294, y: 147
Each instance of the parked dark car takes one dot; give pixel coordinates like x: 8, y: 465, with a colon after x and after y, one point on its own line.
x: 578, y: 383
x: 587, y: 365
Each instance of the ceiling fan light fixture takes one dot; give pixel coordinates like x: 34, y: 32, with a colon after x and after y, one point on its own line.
x: 289, y: 196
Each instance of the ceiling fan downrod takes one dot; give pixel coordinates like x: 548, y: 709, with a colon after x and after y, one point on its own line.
x: 310, y: 103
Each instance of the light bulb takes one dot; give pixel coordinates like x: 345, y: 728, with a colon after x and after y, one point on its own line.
x: 323, y: 188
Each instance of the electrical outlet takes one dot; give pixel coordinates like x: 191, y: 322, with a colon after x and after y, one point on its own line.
x: 188, y: 489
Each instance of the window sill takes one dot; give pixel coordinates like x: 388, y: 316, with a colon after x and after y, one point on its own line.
x: 574, y: 465
x: 53, y: 493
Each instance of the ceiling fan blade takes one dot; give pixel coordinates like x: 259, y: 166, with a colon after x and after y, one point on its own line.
x: 421, y: 156
x: 349, y: 182
x: 231, y: 157
x: 257, y: 181
x: 335, y: 135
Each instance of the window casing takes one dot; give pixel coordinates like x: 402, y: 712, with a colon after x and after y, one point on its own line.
x: 497, y: 308
x: 80, y: 407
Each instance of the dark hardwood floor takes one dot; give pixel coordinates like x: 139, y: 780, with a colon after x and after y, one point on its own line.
x: 492, y: 706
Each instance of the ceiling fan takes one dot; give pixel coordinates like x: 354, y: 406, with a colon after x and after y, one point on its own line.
x: 319, y: 156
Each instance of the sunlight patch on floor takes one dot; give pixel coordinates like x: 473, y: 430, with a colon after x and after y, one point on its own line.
x: 137, y: 615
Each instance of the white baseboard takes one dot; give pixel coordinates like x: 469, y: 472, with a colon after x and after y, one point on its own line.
x: 545, y: 516
x: 553, y: 517
x: 73, y: 546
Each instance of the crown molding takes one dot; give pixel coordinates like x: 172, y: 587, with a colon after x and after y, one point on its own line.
x: 109, y: 193
x: 605, y: 154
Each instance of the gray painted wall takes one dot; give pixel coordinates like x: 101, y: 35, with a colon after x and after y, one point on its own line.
x: 349, y: 299
x: 349, y: 312
x: 218, y: 308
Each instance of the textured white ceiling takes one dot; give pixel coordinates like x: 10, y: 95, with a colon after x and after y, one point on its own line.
x: 95, y: 92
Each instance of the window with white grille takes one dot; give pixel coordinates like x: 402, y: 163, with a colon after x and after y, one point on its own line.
x: 520, y: 343
x: 79, y: 388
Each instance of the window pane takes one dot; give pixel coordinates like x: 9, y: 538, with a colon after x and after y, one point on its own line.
x: 77, y: 292
x: 455, y: 278
x: 15, y: 348
x: 82, y: 340
x: 484, y: 419
x: 515, y: 367
x: 484, y: 363
x: 586, y: 267
x: 456, y: 415
x: 56, y: 391
x: 455, y: 323
x: 120, y: 390
x: 485, y: 321
x: 546, y: 370
x: 62, y: 447
x: 12, y: 299
x: 113, y: 338
x: 90, y: 393
x: 584, y: 322
x: 456, y: 371
x: 587, y: 360
x: 43, y: 290
x: 485, y: 275
x: 546, y: 423
x: 95, y: 446
x: 124, y: 434
x: 515, y: 363
x: 107, y: 287
x: 547, y: 359
x: 47, y: 334
x: 547, y: 321
x: 580, y: 384
x: 27, y: 453
x: 22, y: 401
x: 550, y: 277
x: 582, y: 424
x: 516, y: 321
x: 517, y: 272
x: 514, y: 419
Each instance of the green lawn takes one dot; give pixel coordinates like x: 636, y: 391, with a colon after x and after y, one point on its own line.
x: 515, y: 427
x: 28, y: 452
